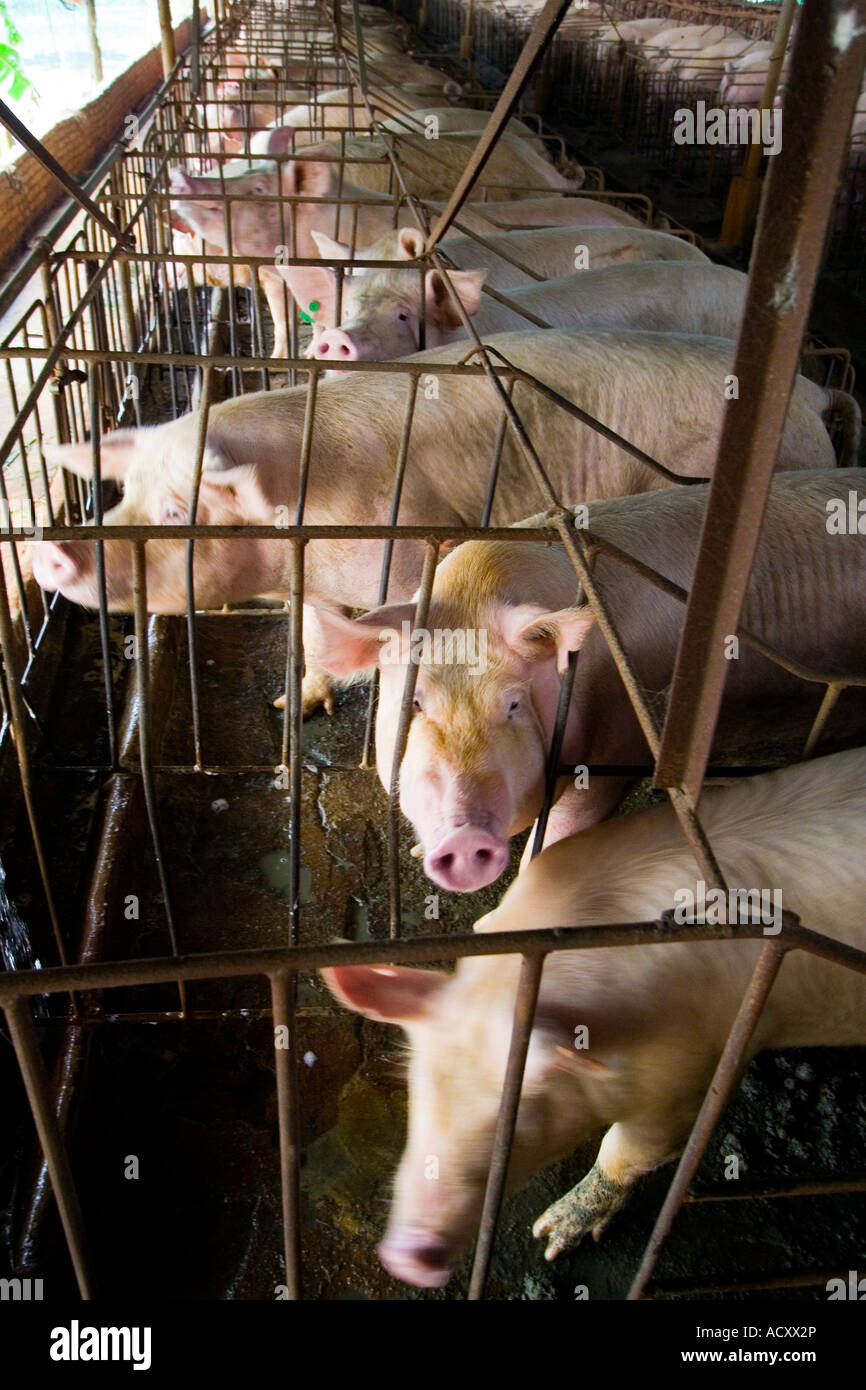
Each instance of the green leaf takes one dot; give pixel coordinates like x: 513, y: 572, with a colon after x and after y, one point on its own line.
x: 19, y: 86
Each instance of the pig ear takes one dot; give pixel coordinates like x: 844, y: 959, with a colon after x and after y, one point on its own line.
x: 310, y: 176
x: 274, y: 140
x: 440, y: 305
x: 386, y: 993
x: 535, y: 632
x: 330, y: 249
x: 116, y: 452
x: 310, y: 286
x: 344, y: 645
x: 410, y: 243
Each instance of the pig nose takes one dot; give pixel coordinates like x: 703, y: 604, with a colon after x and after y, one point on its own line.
x: 466, y: 859
x: 336, y: 344
x: 417, y: 1257
x: 52, y: 565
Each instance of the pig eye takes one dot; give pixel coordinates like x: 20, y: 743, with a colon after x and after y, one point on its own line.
x: 173, y: 514
x: 513, y: 707
x: 402, y: 316
x: 416, y: 703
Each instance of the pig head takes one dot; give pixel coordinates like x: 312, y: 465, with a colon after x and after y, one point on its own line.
x: 459, y: 1027
x: 155, y: 468
x: 484, y: 710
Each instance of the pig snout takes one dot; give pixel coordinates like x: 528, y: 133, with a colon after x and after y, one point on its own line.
x: 335, y: 345
x: 417, y: 1257
x: 468, y: 858
x: 55, y: 565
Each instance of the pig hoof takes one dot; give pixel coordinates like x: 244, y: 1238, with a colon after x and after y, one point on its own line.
x: 310, y: 700
x: 317, y: 689
x: 586, y: 1208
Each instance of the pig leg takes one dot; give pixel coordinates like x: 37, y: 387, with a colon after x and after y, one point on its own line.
x: 278, y: 298
x: 317, y: 687
x: 628, y: 1151
x: 579, y: 808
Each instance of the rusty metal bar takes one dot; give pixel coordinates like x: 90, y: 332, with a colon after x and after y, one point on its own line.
x: 142, y: 672
x: 725, y: 1079
x: 19, y: 132
x: 409, y: 951
x: 294, y: 677
x: 531, y: 968
x: 283, y: 1005
x: 17, y: 721
x: 826, y: 69
x: 425, y: 589
x: 23, y: 1034
x: 169, y: 56
x: 192, y: 648
x: 536, y: 46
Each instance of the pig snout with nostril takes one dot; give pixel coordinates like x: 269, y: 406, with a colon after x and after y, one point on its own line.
x: 468, y: 858
x: 335, y: 345
x: 417, y: 1257
x: 58, y: 565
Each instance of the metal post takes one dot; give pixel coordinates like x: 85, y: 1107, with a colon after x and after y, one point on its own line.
x: 826, y: 69
x: 536, y: 45
x: 745, y: 191
x: 169, y: 57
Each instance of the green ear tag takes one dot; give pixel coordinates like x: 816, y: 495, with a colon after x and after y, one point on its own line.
x: 312, y: 306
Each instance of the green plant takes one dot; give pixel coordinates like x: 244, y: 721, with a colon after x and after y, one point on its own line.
x: 12, y: 80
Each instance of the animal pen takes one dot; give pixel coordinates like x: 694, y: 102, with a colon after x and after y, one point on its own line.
x: 170, y: 839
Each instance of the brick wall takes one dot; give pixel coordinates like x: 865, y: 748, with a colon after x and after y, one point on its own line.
x: 77, y: 143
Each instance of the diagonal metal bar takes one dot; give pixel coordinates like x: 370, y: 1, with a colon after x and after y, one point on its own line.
x: 826, y: 70
x: 535, y: 47
x: 35, y: 147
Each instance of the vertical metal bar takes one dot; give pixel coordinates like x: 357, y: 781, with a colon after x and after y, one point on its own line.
x: 826, y: 69
x: 428, y: 574
x: 142, y: 672
x: 721, y: 1088
x: 23, y: 1034
x: 169, y: 57
x: 104, y: 627
x: 17, y: 721
x: 201, y: 440
x: 536, y: 45
x: 551, y: 775
x: 521, y: 1031
x: 293, y: 733
x: 400, y: 473
x: 283, y: 999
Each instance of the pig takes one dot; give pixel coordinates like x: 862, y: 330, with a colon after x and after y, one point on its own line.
x: 522, y: 213
x: 662, y: 391
x: 708, y: 65
x: 458, y: 120
x: 473, y: 771
x: 311, y: 123
x: 431, y: 168
x: 743, y: 79
x: 657, y: 1015
x: 260, y: 225
x: 294, y: 129
x: 381, y: 308
x: 633, y: 30
x: 552, y: 252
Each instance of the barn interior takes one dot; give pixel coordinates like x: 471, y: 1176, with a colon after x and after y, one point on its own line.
x: 179, y: 854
